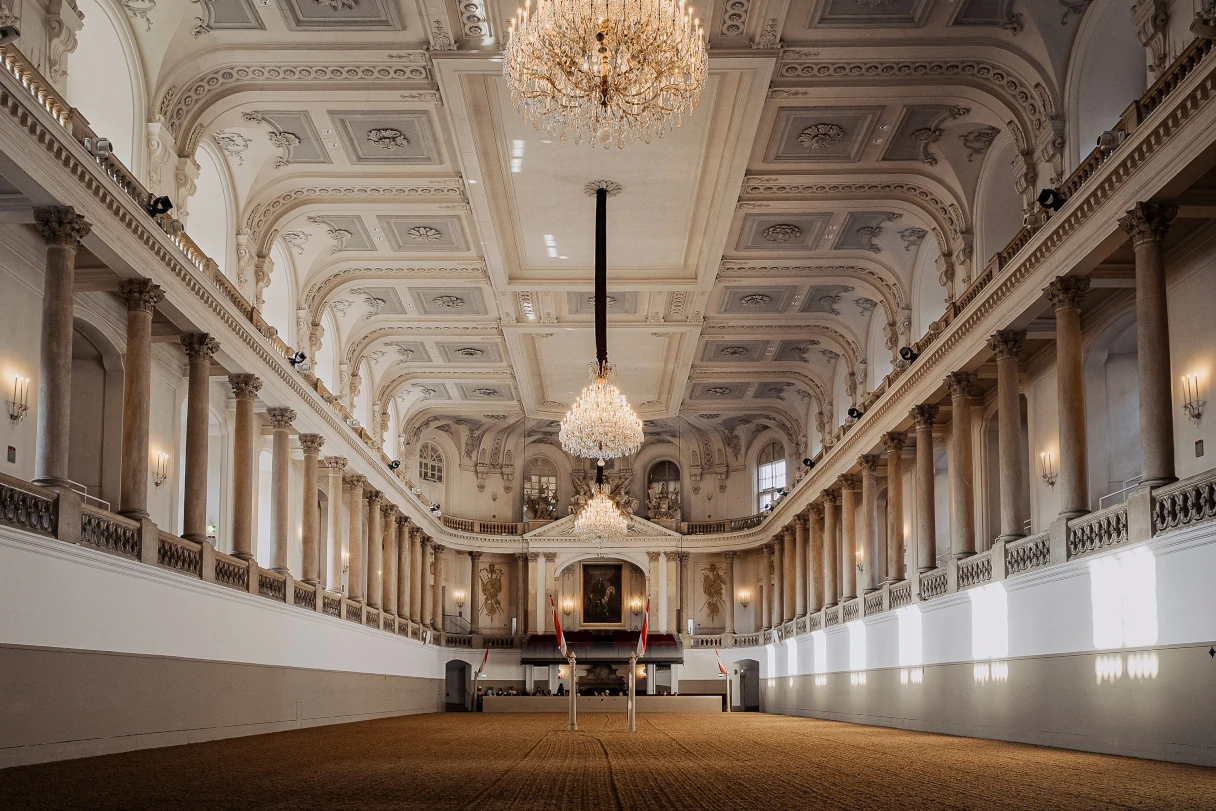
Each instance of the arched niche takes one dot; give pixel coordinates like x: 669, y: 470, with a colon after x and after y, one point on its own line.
x: 106, y: 81
x: 1106, y: 72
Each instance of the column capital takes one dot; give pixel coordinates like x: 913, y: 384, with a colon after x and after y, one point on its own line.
x: 373, y: 496
x: 814, y: 511
x: 849, y: 481
x: 960, y: 383
x: 244, y: 386
x: 1148, y: 222
x: 311, y: 443
x: 1007, y: 343
x: 334, y: 464
x: 140, y: 295
x: 61, y: 226
x: 356, y: 480
x: 894, y: 441
x: 1067, y: 292
x: 281, y: 417
x: 475, y: 555
x: 199, y: 345
x: 924, y: 415
x: 869, y: 462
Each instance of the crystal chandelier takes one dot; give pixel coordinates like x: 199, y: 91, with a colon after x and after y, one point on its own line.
x: 601, y: 520
x: 601, y: 425
x: 606, y: 70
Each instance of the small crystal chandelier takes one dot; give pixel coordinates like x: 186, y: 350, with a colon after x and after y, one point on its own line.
x: 607, y: 70
x: 601, y: 425
x: 601, y: 520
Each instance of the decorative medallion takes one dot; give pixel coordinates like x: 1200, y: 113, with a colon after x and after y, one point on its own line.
x: 449, y: 302
x: 387, y: 139
x: 755, y: 300
x: 783, y: 232
x: 424, y: 233
x: 820, y: 136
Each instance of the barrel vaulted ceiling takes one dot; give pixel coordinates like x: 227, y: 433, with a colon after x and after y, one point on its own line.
x: 765, y: 260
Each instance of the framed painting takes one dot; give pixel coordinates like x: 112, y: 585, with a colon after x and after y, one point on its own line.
x: 603, y: 595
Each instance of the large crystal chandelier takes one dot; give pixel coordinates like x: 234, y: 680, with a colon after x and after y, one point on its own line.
x: 601, y: 520
x: 607, y: 70
x: 601, y: 425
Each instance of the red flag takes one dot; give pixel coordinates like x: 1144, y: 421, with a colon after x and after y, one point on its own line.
x: 484, y: 659
x: 642, y: 637
x: 557, y: 628
x: 721, y: 669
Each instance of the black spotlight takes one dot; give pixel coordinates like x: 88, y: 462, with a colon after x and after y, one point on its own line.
x: 1051, y: 199
x: 809, y: 462
x: 909, y: 354
x: 298, y: 358
x: 160, y: 205
x: 855, y: 413
x: 393, y: 465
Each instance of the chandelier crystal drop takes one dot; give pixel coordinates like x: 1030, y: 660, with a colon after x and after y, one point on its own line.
x: 610, y: 71
x: 601, y: 520
x: 601, y: 425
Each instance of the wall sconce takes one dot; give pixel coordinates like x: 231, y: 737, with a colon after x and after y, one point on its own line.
x: 20, y: 404
x: 635, y: 605
x: 1046, y: 468
x: 567, y: 606
x: 745, y: 598
x: 160, y: 473
x: 1191, y: 403
x: 460, y: 603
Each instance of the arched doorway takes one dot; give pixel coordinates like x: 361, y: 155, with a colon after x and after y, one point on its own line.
x: 747, y: 693
x: 456, y: 676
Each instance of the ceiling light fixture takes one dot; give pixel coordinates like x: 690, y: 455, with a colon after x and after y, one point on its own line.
x: 611, y: 71
x: 601, y: 425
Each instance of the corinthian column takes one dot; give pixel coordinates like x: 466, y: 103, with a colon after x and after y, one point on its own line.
x: 894, y: 443
x: 62, y: 229
x: 731, y: 597
x: 334, y: 466
x: 814, y: 553
x: 310, y: 525
x: 280, y: 470
x: 800, y: 582
x: 244, y: 389
x: 1065, y: 294
x: 1007, y: 346
x: 1147, y: 225
x: 962, y: 478
x: 200, y: 348
x: 926, y: 521
x: 141, y: 296
x: 355, y: 581
x: 831, y: 539
x: 873, y: 557
x: 375, y: 540
x: 848, y: 531
x: 475, y: 592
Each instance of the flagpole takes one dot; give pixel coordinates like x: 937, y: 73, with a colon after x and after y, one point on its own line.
x: 631, y: 709
x: 573, y: 695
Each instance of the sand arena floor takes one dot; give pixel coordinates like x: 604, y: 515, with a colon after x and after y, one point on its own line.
x: 673, y: 762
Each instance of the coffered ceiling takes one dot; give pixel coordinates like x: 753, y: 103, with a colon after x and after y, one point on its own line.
x: 765, y: 251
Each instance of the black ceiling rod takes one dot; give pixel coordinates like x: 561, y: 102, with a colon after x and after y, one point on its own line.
x: 601, y: 279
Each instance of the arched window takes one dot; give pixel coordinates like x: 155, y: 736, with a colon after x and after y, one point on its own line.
x: 770, y: 474
x: 663, y: 492
x: 430, y: 464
